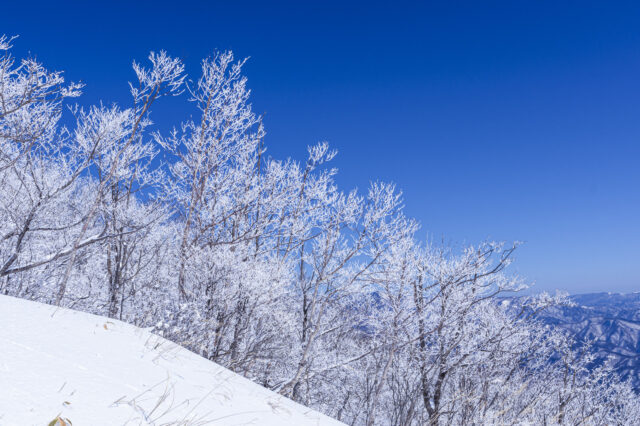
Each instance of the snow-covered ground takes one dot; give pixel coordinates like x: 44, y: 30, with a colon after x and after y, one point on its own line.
x: 97, y: 371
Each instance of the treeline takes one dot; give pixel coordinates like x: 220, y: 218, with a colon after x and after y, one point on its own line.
x: 266, y: 266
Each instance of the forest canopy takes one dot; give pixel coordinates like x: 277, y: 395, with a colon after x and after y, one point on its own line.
x: 266, y: 266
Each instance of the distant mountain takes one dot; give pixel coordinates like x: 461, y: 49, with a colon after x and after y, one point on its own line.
x: 612, y: 320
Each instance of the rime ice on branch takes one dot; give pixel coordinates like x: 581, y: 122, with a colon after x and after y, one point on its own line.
x: 267, y: 266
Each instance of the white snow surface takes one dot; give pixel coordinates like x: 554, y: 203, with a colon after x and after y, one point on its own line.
x: 98, y: 371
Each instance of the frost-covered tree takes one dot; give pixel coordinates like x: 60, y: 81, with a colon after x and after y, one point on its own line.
x: 41, y: 171
x: 266, y: 266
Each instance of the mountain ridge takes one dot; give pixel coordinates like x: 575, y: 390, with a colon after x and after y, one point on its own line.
x: 611, y: 322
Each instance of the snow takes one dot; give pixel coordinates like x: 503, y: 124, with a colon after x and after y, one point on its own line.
x: 98, y: 371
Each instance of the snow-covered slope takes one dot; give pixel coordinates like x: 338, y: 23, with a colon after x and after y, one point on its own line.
x: 97, y: 371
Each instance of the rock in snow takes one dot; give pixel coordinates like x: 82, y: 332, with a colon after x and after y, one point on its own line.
x: 96, y: 371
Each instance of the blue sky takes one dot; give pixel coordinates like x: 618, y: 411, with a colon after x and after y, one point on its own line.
x: 503, y: 120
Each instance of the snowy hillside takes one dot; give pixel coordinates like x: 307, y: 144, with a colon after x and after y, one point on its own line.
x: 97, y: 371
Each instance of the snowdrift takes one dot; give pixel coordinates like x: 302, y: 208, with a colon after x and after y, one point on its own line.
x: 96, y: 371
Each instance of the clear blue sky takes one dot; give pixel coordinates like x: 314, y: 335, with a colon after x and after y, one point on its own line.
x: 514, y: 120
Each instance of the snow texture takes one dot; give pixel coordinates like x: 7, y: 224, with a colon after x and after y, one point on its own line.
x: 98, y: 371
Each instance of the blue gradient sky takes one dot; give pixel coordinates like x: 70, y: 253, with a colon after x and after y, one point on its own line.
x: 504, y: 120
